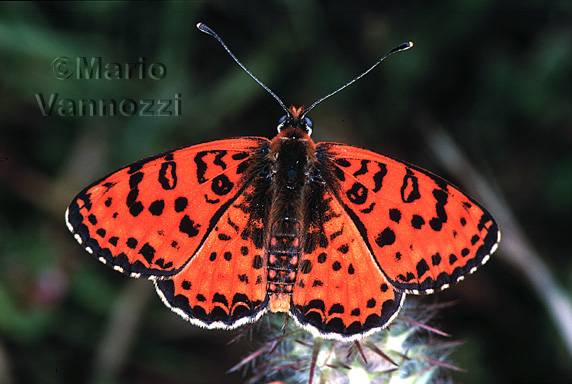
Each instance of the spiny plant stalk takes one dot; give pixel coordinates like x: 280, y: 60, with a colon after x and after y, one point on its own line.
x: 410, y: 351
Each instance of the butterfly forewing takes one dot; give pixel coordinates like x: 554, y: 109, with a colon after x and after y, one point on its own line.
x: 424, y: 233
x: 149, y: 218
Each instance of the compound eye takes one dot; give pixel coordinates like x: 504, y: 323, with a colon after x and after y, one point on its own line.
x: 308, y: 125
x: 308, y: 122
x: 281, y: 122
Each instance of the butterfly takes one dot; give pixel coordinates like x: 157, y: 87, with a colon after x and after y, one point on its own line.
x: 334, y: 235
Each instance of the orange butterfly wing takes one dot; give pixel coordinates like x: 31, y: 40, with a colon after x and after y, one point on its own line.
x: 148, y: 219
x: 224, y: 284
x: 424, y: 233
x: 340, y: 292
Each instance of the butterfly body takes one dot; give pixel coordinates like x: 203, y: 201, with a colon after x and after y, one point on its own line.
x: 283, y: 187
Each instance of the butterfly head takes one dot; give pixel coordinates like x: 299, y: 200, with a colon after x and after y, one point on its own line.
x: 295, y: 118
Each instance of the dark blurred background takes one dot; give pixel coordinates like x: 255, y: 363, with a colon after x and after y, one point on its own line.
x: 494, y: 78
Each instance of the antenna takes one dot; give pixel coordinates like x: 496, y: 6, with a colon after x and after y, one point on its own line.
x: 205, y: 29
x: 399, y: 48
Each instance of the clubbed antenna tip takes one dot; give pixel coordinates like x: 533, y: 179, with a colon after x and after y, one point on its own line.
x: 400, y: 48
x: 206, y: 29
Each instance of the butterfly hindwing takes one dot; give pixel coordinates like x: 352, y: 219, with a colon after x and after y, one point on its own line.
x: 224, y: 283
x: 424, y: 233
x: 149, y: 218
x: 340, y: 292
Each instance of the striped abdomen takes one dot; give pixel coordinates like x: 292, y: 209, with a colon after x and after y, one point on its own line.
x: 283, y: 255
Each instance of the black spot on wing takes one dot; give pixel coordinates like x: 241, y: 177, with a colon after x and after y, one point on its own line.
x: 337, y: 233
x: 219, y: 159
x: 339, y: 174
x: 257, y: 262
x: 363, y: 168
x: 148, y: 252
x: 211, y: 201
x: 221, y: 185
x: 135, y: 167
x: 232, y: 224
x: 136, y: 209
x: 243, y: 278
x: 378, y: 177
x: 181, y: 203
x: 156, y: 207
x: 219, y: 298
x: 306, y: 266
x: 239, y: 156
x: 92, y: 219
x: 441, y: 197
x: 369, y: 209
x: 410, y: 187
x: 336, y: 266
x: 201, y: 166
x: 344, y: 248
x: 417, y: 221
x: 168, y: 175
x: 188, y: 226
x: 395, y: 215
x: 357, y: 194
x: 336, y: 308
x: 132, y: 242
x: 243, y: 166
x: 86, y: 198
x: 385, y: 237
x: 421, y: 268
x: 483, y: 221
x: 343, y: 163
x: 135, y: 206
